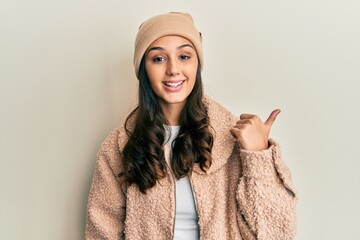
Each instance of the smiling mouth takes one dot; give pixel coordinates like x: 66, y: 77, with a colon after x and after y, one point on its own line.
x: 173, y: 84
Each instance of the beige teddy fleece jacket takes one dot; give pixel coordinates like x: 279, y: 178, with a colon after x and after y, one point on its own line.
x: 244, y: 195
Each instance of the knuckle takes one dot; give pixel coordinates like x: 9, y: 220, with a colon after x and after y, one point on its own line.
x: 251, y: 121
x: 236, y: 134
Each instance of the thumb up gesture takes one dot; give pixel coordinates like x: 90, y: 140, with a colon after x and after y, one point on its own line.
x: 253, y: 134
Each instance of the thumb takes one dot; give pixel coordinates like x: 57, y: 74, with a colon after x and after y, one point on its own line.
x: 271, y: 119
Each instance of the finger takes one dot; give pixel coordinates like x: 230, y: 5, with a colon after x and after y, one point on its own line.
x: 246, y: 116
x: 235, y: 132
x: 271, y: 119
x: 243, y: 121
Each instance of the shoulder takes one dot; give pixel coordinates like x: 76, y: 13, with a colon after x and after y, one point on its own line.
x: 111, y: 148
x: 114, y: 141
x: 218, y: 114
x: 221, y: 121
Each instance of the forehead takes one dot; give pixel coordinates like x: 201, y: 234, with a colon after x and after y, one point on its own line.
x: 170, y: 42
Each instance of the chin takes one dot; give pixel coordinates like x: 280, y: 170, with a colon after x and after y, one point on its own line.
x: 174, y: 100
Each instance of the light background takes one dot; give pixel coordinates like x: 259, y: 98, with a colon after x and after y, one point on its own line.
x: 66, y: 80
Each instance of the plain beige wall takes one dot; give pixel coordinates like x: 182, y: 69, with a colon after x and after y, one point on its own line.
x: 66, y: 80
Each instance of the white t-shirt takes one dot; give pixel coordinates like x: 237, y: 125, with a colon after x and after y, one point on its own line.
x: 186, y: 219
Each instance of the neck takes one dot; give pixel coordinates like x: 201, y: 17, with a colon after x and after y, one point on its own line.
x: 172, y: 113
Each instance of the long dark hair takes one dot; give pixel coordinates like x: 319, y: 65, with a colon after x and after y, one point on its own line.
x: 143, y: 154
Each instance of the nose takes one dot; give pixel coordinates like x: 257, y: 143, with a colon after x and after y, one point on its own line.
x: 172, y: 68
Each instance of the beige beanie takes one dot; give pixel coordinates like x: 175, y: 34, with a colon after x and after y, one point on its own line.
x: 173, y: 23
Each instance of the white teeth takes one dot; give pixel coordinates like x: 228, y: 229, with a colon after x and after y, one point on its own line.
x: 170, y: 84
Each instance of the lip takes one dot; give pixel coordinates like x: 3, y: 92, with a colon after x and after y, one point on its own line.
x: 174, y: 87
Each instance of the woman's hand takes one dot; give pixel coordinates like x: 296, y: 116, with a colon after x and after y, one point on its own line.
x: 253, y: 134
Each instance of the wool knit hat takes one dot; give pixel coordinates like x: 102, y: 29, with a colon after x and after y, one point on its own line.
x: 173, y: 23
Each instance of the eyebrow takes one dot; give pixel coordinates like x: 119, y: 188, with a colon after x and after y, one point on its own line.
x: 162, y: 49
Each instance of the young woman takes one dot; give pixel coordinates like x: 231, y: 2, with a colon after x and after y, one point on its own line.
x: 182, y: 166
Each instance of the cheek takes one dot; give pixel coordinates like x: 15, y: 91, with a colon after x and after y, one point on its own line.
x: 149, y: 70
x: 192, y: 72
x: 193, y: 67
x: 152, y: 74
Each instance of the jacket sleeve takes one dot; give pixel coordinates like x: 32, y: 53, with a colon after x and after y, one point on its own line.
x: 106, y: 202
x: 266, y: 196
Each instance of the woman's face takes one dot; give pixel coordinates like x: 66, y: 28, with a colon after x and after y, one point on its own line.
x: 171, y: 63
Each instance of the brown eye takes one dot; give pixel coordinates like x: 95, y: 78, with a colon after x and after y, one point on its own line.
x: 158, y: 59
x: 184, y: 57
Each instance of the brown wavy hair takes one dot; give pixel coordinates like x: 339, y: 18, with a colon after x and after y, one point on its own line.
x: 143, y: 154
